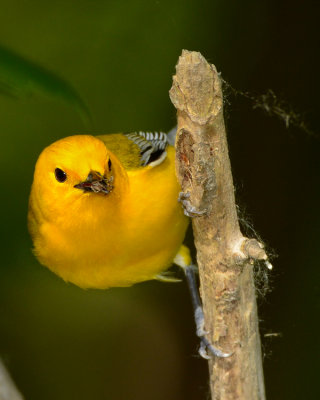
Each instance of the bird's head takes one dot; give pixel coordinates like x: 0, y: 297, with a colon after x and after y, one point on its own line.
x: 74, y: 168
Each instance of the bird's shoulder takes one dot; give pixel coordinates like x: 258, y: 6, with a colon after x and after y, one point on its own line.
x: 137, y: 149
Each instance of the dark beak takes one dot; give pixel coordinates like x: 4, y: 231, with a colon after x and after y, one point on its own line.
x: 96, y: 183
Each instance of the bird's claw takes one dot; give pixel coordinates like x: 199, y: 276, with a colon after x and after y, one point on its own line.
x: 188, y: 209
x: 203, y: 351
x: 207, y: 350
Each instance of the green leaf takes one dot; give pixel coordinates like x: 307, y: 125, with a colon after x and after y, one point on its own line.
x: 20, y: 77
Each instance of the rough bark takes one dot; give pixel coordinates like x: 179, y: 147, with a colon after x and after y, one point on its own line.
x: 224, y: 256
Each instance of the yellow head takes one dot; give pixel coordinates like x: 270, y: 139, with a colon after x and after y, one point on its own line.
x: 73, y: 174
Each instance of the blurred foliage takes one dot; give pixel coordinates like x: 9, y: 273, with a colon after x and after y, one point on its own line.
x: 61, y: 342
x: 20, y: 77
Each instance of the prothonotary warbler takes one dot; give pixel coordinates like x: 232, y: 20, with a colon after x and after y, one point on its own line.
x: 104, y: 212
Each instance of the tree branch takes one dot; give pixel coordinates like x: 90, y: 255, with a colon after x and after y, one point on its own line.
x: 8, y: 390
x: 224, y: 256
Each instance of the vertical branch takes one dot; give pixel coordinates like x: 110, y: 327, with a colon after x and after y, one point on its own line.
x: 224, y: 256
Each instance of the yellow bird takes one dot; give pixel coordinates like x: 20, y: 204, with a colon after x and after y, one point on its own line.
x: 104, y: 210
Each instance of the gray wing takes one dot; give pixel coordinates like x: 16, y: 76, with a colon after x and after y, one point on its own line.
x: 152, y: 146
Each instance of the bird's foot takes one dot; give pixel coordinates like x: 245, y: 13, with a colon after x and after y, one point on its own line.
x: 207, y: 350
x: 188, y: 209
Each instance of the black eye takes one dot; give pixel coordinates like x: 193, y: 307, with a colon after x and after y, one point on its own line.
x: 109, y: 164
x: 60, y: 175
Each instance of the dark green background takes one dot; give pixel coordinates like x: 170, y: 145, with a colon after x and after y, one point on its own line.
x: 60, y: 342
